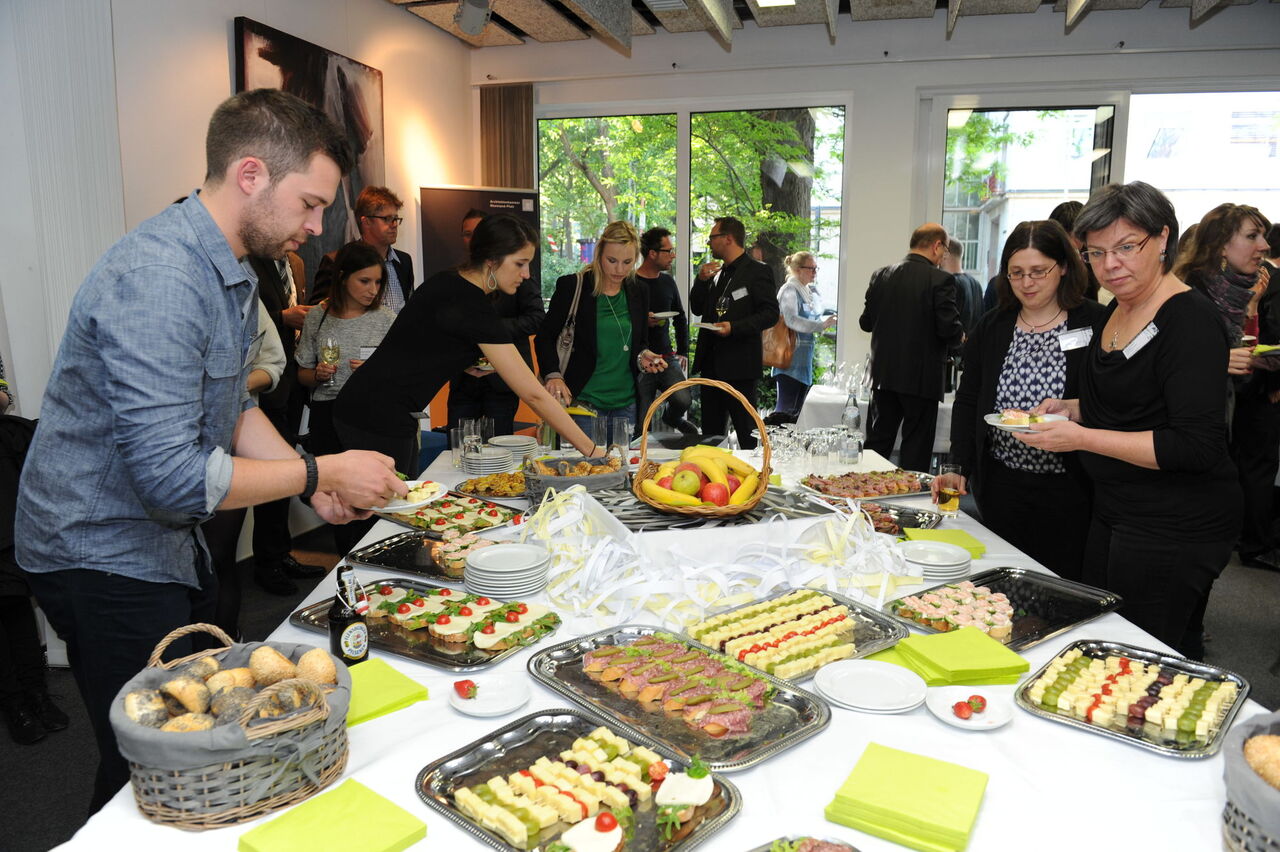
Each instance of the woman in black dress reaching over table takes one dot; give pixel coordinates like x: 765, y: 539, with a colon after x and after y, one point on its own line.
x: 448, y: 324
x: 1151, y: 423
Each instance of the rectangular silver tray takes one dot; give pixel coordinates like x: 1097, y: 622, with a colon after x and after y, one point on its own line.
x: 1179, y: 665
x: 1043, y: 605
x: 791, y: 716
x: 548, y: 732
x: 873, y: 630
x: 903, y: 516
x: 406, y: 552
x: 796, y: 838
x: 926, y: 480
x: 416, y: 645
x: 397, y: 519
x: 641, y: 517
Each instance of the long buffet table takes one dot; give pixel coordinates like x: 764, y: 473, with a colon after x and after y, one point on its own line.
x: 1051, y: 787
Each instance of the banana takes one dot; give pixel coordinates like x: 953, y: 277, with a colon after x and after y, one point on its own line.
x: 666, y: 469
x: 666, y: 495
x: 713, y: 468
x: 729, y: 460
x: 745, y: 490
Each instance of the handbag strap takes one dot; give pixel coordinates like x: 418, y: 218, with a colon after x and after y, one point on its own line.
x: 570, y: 326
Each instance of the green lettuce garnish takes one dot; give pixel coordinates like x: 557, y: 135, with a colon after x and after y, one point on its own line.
x: 697, y: 769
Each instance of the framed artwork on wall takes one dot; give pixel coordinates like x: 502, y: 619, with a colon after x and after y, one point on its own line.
x: 349, y: 92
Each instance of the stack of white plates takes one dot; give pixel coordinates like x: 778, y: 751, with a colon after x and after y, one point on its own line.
x: 507, y: 571
x: 940, y: 562
x: 487, y: 460
x: 869, y: 686
x: 518, y: 445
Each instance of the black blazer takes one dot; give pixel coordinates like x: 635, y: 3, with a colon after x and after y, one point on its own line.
x: 984, y: 355
x: 913, y: 319
x: 402, y: 262
x: 271, y: 292
x: 582, y: 362
x: 738, y: 356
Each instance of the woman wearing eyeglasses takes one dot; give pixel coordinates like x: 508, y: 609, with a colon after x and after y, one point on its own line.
x: 1151, y: 422
x: 1027, y: 350
x: 801, y: 310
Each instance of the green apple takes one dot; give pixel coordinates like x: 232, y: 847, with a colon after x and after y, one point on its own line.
x: 686, y: 482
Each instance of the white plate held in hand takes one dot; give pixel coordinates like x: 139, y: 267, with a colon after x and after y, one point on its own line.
x: 398, y: 505
x: 993, y: 419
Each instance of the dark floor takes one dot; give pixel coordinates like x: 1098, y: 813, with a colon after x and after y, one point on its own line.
x: 1244, y: 637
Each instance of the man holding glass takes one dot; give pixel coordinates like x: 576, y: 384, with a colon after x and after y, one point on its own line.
x: 736, y: 297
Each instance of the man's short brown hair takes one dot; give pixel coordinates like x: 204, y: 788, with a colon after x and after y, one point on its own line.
x: 281, y: 130
x: 927, y: 235
x: 372, y: 198
x: 733, y: 228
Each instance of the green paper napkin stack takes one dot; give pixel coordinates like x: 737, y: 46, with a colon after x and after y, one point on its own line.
x: 959, y: 538
x: 350, y: 817
x: 918, y: 801
x: 377, y: 689
x: 958, y: 658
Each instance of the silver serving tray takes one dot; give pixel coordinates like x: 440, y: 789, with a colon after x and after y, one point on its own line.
x: 796, y: 838
x: 1179, y: 665
x: 873, y: 630
x: 417, y: 645
x: 903, y: 516
x: 926, y: 481
x: 407, y: 552
x: 792, y: 714
x: 641, y: 517
x: 1044, y: 606
x: 523, y: 495
x: 402, y: 521
x: 548, y: 732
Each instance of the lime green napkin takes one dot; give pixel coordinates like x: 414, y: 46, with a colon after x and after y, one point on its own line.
x: 348, y: 817
x: 377, y: 689
x: 959, y: 538
x: 935, y: 677
x: 918, y: 801
x: 966, y: 655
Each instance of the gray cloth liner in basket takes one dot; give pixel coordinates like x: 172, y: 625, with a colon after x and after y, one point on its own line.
x: 536, y: 485
x: 153, y: 748
x: 1245, y: 787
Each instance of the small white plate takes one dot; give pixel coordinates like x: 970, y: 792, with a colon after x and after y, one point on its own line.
x: 398, y: 505
x: 666, y: 314
x: 495, y: 696
x: 937, y: 554
x: 706, y: 325
x: 518, y: 442
x: 993, y: 419
x: 999, y: 710
x: 871, y: 685
x: 890, y: 712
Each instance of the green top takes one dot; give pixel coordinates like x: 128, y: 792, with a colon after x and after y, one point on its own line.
x: 611, y: 385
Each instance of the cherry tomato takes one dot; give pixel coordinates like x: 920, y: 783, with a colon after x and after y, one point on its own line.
x: 483, y: 601
x: 635, y: 460
x: 444, y: 593
x: 384, y: 590
x: 442, y: 619
x: 962, y: 709
x: 657, y: 770
x: 488, y: 628
x: 606, y: 821
x: 489, y: 505
x: 404, y: 609
x: 419, y: 602
x: 465, y: 610
x: 439, y: 522
x: 522, y: 608
x: 512, y: 617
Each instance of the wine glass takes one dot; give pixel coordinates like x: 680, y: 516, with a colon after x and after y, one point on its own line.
x: 330, y: 353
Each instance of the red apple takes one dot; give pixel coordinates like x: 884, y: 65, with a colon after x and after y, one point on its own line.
x: 690, y: 466
x: 734, y: 482
x: 665, y: 482
x: 715, y: 492
x: 685, y: 482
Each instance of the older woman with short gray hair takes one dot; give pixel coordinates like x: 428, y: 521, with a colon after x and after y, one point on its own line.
x: 1150, y: 421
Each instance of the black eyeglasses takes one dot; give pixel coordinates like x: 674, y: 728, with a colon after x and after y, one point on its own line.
x: 711, y: 237
x: 814, y: 268
x: 665, y: 251
x: 390, y: 220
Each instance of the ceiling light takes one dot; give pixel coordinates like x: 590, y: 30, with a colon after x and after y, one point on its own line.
x: 764, y: 4
x: 667, y: 5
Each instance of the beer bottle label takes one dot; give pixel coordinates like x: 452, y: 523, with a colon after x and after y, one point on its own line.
x: 354, y: 641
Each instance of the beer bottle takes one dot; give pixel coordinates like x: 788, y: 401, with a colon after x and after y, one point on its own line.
x: 348, y: 625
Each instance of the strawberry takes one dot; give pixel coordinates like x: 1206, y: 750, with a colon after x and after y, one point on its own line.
x: 978, y: 703
x: 465, y: 688
x: 962, y: 709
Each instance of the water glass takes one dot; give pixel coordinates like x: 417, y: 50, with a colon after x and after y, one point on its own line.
x: 456, y: 436
x: 851, y: 448
x: 621, y: 430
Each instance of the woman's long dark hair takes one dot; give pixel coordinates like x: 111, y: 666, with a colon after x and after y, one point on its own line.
x: 350, y: 259
x: 498, y: 236
x: 1203, y: 255
x: 1050, y: 239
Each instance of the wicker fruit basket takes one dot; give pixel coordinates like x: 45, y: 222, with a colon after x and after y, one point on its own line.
x: 647, y: 469
x: 246, y: 767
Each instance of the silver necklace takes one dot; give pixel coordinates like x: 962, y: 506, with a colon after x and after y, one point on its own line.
x: 608, y: 300
x: 1042, y: 325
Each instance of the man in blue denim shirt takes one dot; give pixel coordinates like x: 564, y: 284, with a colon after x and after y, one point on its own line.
x: 147, y: 427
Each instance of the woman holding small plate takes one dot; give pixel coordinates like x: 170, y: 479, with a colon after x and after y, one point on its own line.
x: 1027, y: 350
x: 1150, y: 421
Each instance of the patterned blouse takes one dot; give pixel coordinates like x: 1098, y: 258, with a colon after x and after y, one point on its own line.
x: 1035, y: 369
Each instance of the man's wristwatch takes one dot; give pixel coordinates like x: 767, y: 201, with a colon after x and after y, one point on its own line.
x: 313, y: 476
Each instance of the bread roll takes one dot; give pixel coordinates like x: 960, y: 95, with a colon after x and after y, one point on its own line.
x: 228, y: 678
x: 201, y: 668
x: 189, y: 691
x: 189, y: 722
x: 317, y: 666
x: 270, y: 666
x: 231, y: 701
x: 1263, y: 754
x: 146, y: 707
x: 283, y: 703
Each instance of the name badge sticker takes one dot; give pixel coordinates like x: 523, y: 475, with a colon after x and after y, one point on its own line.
x: 1144, y: 337
x: 740, y: 293
x: 1075, y: 339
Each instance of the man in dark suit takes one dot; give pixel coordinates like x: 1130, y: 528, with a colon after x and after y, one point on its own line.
x: 737, y: 296
x: 378, y: 217
x: 278, y: 282
x: 913, y: 319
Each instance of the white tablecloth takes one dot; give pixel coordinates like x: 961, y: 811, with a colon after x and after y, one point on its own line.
x: 1051, y: 787
x: 824, y: 406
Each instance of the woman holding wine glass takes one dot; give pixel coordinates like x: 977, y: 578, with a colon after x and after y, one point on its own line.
x: 1026, y: 351
x: 339, y: 333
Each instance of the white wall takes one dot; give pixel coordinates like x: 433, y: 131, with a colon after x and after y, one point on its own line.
x: 891, y: 71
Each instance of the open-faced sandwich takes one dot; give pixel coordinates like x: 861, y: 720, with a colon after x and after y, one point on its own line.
x: 460, y: 618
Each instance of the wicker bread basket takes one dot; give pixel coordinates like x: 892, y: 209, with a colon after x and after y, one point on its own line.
x: 648, y: 469
x: 241, y: 770
x: 1251, y: 818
